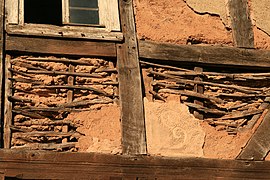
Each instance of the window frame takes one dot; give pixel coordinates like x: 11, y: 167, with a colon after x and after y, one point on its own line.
x: 108, y: 14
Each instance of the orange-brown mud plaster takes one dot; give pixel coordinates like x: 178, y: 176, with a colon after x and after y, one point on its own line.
x: 174, y: 22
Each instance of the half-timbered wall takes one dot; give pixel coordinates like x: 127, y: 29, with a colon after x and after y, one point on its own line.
x: 181, y: 79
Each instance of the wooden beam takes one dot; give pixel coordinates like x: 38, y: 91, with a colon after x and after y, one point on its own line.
x: 198, y: 88
x: 8, y: 104
x: 52, y: 165
x: 242, y: 27
x: 2, y: 41
x: 60, y: 46
x: 259, y: 145
x: 70, y: 96
x: 208, y: 55
x: 130, y: 85
x: 76, y: 32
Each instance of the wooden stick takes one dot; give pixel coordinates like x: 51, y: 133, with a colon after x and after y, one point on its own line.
x: 247, y: 90
x: 29, y: 114
x: 70, y: 95
x: 23, y: 80
x: 70, y: 83
x: 74, y: 87
x: 47, y: 123
x: 250, y: 76
x: 60, y: 60
x: 204, y: 109
x: 238, y: 115
x: 172, y: 86
x: 85, y: 103
x: 157, y: 96
x: 236, y: 106
x: 48, y: 133
x: 110, y: 70
x: 8, y: 105
x: 50, y: 146
x: 17, y: 99
x: 25, y: 65
x: 230, y: 124
x: 46, y: 109
x: 20, y: 73
x: 177, y: 73
x: 24, y: 91
x: 192, y: 94
x: 241, y: 95
x: 198, y: 89
x: 100, y: 83
x: 65, y: 73
x: 166, y: 66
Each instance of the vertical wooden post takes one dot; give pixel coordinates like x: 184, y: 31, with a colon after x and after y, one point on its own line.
x: 8, y: 104
x: 130, y: 85
x: 2, y: 22
x: 148, y: 88
x: 70, y: 95
x: 241, y: 23
x: 198, y: 89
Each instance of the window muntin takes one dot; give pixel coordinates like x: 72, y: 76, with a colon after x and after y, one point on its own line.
x: 84, y: 3
x: 83, y: 12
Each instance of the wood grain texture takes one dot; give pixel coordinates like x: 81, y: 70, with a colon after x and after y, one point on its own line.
x: 109, y: 14
x: 242, y: 27
x: 258, y: 146
x: 198, y: 89
x: 60, y: 46
x: 12, y: 12
x: 130, y: 85
x: 208, y: 55
x: 2, y: 41
x: 70, y: 96
x: 8, y: 104
x: 53, y: 165
x: 78, y: 32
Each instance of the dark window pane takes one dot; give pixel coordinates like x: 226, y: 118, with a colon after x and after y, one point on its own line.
x: 83, y: 16
x: 84, y: 3
x: 43, y: 12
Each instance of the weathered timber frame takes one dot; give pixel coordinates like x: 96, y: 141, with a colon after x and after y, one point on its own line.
x: 128, y: 51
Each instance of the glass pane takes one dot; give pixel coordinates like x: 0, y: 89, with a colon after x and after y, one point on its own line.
x: 84, y: 3
x: 83, y: 16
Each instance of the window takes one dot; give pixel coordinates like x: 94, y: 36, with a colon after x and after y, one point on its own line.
x: 81, y: 12
x: 91, y: 13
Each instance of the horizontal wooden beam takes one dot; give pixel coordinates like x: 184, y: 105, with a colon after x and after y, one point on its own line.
x: 53, y: 165
x: 60, y: 46
x: 47, y: 30
x: 209, y: 55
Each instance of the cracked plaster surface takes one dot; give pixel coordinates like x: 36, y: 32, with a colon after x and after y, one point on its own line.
x: 260, y: 13
x: 216, y: 7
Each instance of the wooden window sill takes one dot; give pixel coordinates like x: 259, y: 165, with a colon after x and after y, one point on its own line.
x: 91, y: 33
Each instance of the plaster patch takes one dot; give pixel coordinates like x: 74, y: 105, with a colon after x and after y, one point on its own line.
x: 216, y: 7
x: 261, y: 14
x: 172, y: 131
